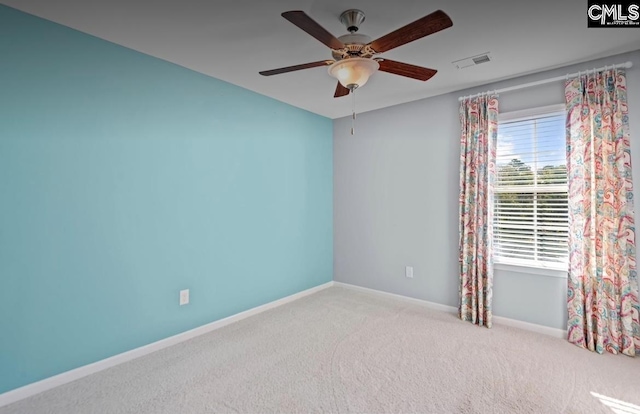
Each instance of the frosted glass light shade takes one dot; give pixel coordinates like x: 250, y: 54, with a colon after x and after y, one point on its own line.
x: 353, y: 72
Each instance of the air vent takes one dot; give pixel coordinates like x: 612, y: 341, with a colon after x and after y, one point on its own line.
x: 472, y: 61
x: 481, y: 59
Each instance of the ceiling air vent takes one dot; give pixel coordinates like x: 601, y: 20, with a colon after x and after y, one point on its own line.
x: 472, y: 61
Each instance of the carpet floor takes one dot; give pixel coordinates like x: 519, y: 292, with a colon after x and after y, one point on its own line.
x: 341, y: 351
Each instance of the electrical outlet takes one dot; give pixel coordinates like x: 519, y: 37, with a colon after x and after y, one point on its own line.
x: 408, y: 271
x: 184, y: 297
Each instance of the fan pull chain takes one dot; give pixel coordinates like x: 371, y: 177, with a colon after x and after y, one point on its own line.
x: 353, y: 109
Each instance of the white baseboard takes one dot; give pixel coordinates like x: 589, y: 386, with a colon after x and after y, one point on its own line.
x: 528, y: 326
x: 500, y: 320
x: 77, y: 373
x: 430, y: 305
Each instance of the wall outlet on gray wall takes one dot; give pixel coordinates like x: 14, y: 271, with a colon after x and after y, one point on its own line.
x: 408, y: 271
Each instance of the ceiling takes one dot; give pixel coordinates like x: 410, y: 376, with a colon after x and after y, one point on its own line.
x: 234, y: 39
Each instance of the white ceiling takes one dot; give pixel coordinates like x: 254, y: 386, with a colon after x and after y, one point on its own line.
x: 234, y: 39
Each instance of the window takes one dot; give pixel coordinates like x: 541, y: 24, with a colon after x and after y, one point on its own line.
x: 530, y: 226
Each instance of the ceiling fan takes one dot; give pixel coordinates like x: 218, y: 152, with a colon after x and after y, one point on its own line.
x: 353, y: 54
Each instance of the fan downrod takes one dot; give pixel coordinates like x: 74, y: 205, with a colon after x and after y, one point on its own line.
x: 352, y: 19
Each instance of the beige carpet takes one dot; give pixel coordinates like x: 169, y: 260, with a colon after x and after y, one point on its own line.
x: 345, y: 351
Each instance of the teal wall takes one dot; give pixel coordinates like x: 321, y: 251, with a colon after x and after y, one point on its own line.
x: 125, y: 178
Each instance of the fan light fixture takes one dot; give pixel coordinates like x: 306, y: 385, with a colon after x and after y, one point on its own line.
x: 354, y: 72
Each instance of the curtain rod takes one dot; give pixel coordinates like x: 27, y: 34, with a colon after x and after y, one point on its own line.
x: 625, y: 65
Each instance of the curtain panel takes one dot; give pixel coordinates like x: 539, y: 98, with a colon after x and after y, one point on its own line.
x: 479, y: 124
x: 602, y: 283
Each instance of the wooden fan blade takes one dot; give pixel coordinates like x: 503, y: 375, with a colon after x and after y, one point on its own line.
x: 340, y: 91
x: 429, y: 24
x: 405, y: 69
x: 306, y: 23
x: 296, y: 67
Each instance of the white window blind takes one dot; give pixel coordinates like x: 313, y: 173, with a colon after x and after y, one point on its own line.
x: 530, y: 213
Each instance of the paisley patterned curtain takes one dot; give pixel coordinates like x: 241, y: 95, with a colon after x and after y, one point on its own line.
x: 479, y: 122
x: 602, y: 284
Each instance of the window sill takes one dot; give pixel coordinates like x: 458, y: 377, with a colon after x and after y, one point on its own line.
x: 532, y: 270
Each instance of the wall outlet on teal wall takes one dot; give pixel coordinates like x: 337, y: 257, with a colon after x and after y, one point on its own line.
x: 184, y: 297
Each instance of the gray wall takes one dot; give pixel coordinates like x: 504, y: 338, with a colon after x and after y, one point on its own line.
x: 396, y: 198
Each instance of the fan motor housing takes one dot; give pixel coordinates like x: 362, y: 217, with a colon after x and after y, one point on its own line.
x: 354, y: 43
